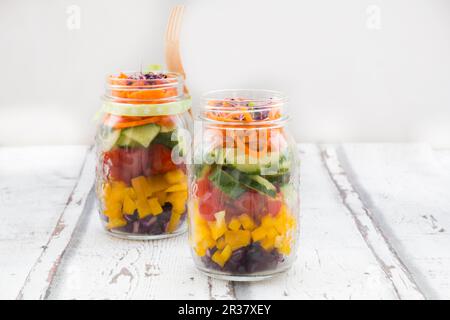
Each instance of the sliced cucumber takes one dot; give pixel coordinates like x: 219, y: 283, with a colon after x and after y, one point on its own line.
x: 279, y: 179
x: 226, y: 183
x: 271, y: 164
x: 165, y: 138
x: 142, y: 134
x: 255, y: 182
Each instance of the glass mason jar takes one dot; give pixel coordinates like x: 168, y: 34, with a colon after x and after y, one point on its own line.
x: 141, y: 180
x: 244, y: 196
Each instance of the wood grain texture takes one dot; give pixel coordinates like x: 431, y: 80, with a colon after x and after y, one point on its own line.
x: 35, y: 183
x: 375, y: 221
x: 44, y: 269
x: 334, y: 261
x: 99, y: 266
x: 407, y: 188
x: 372, y: 233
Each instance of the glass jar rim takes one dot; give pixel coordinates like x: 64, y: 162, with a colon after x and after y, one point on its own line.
x: 262, y: 100
x: 141, y: 90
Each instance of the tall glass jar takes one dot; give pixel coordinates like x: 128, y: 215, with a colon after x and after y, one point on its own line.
x: 244, y: 197
x: 141, y: 180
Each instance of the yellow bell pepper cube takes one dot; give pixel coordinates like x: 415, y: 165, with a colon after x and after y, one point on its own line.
x: 259, y: 234
x: 173, y: 222
x: 180, y: 196
x: 238, y: 239
x: 179, y: 207
x: 155, y: 207
x: 217, y: 230
x: 143, y: 207
x: 218, y: 227
x: 272, y: 233
x: 221, y: 243
x: 268, y: 243
x: 201, y: 232
x: 208, y: 243
x: 116, y: 223
x: 247, y: 222
x: 283, y: 244
x: 128, y: 205
x: 200, y: 251
x: 226, y: 252
x: 175, y: 176
x: 234, y: 224
x: 117, y: 191
x: 221, y: 257
x: 113, y: 212
x: 267, y: 221
x: 131, y: 193
x: 157, y: 183
x: 199, y: 221
x: 281, y: 224
x: 162, y: 197
x: 177, y: 187
x: 202, y: 246
x: 106, y: 190
x: 178, y: 201
x: 141, y: 187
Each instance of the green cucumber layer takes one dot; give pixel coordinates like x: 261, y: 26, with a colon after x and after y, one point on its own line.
x: 226, y: 183
x: 272, y: 164
x: 255, y: 182
x: 143, y: 135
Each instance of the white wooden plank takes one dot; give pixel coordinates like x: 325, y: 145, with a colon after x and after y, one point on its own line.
x: 99, y: 266
x: 334, y: 261
x: 44, y: 269
x: 35, y: 183
x: 397, y: 272
x: 406, y: 188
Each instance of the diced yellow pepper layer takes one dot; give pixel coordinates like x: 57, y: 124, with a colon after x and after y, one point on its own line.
x: 175, y: 176
x: 274, y: 232
x: 238, y: 239
x: 147, y: 195
x: 155, y: 207
x: 234, y: 224
x: 177, y: 187
x: 141, y: 187
x: 128, y: 205
x: 157, y: 183
x: 219, y: 226
x: 247, y: 222
x: 221, y: 257
x: 178, y: 201
x: 116, y: 223
x: 173, y: 222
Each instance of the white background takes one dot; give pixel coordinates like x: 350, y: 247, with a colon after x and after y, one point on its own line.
x: 355, y: 70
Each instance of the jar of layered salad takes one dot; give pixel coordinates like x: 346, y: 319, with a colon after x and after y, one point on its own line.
x: 141, y: 180
x: 244, y: 197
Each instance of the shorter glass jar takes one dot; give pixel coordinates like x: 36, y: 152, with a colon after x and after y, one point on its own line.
x: 141, y: 180
x: 244, y: 199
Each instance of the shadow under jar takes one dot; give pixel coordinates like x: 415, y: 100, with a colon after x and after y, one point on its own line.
x: 141, y: 180
x: 244, y: 200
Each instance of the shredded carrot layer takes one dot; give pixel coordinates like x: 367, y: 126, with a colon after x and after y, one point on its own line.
x: 122, y: 122
x: 255, y: 136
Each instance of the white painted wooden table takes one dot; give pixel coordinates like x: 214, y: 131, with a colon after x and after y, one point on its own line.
x: 375, y: 225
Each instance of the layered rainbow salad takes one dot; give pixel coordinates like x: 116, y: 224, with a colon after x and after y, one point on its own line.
x: 243, y: 214
x: 140, y: 188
